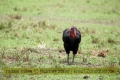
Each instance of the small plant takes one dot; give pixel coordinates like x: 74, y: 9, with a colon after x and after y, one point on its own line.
x: 15, y: 9
x: 43, y: 24
x: 84, y: 59
x: 3, y: 55
x: 88, y: 1
x: 110, y: 40
x: 112, y: 62
x: 3, y: 25
x: 94, y: 39
x: 15, y: 16
x: 84, y: 30
x: 26, y: 58
x: 119, y: 60
x: 10, y: 24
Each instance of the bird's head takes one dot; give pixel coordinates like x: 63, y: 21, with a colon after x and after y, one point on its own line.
x: 73, y: 31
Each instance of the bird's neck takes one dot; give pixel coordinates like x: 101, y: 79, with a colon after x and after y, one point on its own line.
x: 72, y: 34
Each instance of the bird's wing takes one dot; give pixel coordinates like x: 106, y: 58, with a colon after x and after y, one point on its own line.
x: 66, y: 35
x: 78, y: 36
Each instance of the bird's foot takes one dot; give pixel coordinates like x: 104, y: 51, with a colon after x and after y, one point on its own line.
x: 68, y: 62
x: 72, y: 61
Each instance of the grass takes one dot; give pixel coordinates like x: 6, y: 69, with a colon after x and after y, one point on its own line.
x: 31, y: 36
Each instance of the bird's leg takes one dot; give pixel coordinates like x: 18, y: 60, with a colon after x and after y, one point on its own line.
x: 68, y: 58
x: 73, y: 58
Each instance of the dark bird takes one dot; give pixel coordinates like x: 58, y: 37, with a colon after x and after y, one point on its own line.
x: 71, y: 38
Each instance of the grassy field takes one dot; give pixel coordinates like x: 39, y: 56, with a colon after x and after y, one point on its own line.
x: 31, y: 36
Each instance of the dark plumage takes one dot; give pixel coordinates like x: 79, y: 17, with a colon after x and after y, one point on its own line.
x: 71, y: 38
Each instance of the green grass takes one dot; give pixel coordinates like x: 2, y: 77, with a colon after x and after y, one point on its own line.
x: 31, y: 36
